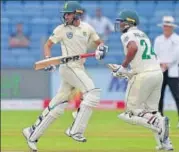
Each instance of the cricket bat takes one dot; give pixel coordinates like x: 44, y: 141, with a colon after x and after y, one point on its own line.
x: 39, y: 65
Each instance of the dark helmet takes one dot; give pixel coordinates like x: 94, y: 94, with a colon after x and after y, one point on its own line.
x: 129, y: 17
x: 72, y: 7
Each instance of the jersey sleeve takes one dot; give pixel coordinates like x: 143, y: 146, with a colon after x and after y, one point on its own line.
x: 57, y: 34
x: 126, y: 38
x: 93, y: 35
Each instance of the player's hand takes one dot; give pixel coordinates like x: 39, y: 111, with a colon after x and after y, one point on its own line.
x: 50, y: 68
x: 120, y: 72
x: 101, y: 51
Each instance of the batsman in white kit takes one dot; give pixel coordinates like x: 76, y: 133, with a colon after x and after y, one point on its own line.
x: 74, y: 37
x: 144, y: 87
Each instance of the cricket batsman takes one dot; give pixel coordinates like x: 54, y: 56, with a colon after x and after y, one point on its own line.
x: 144, y: 88
x: 74, y: 36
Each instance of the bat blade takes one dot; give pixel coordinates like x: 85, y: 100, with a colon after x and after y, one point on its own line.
x: 46, y: 62
x: 60, y: 60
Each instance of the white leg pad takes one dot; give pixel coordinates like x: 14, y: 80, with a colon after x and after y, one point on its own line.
x: 92, y: 98
x: 151, y: 117
x: 80, y: 123
x: 147, y: 115
x: 135, y: 120
x: 45, y: 119
x: 157, y: 139
x: 57, y: 109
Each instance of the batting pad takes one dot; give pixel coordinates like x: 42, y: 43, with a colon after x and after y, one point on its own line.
x: 136, y: 120
x: 42, y: 126
x: 157, y: 139
x: 81, y: 121
x: 48, y: 116
x: 92, y: 98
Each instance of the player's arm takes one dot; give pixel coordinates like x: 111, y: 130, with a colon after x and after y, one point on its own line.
x: 54, y: 38
x: 98, y: 42
x: 47, y: 48
x: 130, y: 44
x: 131, y: 52
x: 47, y: 54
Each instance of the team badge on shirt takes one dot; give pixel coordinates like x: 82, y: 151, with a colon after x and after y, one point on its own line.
x: 69, y: 35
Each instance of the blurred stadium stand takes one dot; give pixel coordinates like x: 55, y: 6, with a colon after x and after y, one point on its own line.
x: 41, y: 17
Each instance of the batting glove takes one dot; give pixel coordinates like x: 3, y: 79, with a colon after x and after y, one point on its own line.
x: 50, y: 68
x: 120, y: 72
x: 101, y: 51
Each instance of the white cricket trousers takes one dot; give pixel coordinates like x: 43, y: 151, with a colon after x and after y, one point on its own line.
x: 144, y: 91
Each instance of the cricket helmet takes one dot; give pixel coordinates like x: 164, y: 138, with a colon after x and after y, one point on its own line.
x: 129, y: 17
x: 72, y: 7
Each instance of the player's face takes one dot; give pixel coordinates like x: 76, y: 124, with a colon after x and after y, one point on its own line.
x: 120, y: 26
x: 69, y: 17
x: 167, y: 30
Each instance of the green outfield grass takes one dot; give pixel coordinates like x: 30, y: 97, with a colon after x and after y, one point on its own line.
x: 105, y: 132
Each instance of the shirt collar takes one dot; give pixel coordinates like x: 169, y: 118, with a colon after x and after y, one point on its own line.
x: 80, y: 26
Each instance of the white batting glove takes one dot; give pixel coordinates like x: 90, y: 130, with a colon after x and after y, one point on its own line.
x: 120, y: 72
x: 101, y: 51
x: 98, y: 55
x: 50, y: 68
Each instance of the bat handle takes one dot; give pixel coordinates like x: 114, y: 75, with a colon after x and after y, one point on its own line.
x: 87, y: 55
